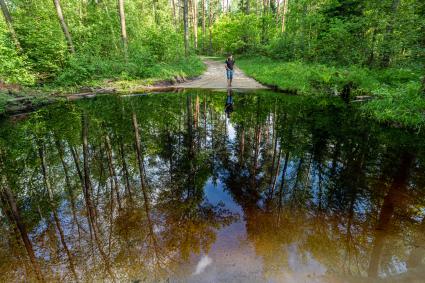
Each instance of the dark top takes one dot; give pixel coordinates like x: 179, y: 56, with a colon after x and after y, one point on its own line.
x: 229, y: 100
x: 230, y: 63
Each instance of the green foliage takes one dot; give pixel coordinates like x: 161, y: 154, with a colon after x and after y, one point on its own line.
x: 41, y: 37
x: 153, y: 42
x: 83, y: 70
x: 237, y: 33
x: 14, y: 67
x: 306, y: 78
x: 397, y: 91
x: 337, y: 32
x: 402, y: 105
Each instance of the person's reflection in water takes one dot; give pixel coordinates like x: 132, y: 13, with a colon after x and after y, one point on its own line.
x: 228, y: 108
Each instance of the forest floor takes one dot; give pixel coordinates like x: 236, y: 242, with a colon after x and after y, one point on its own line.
x: 215, y: 78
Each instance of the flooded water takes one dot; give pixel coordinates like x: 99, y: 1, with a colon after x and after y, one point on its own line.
x: 209, y: 187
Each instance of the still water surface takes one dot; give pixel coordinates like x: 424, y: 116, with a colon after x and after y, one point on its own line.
x: 203, y: 187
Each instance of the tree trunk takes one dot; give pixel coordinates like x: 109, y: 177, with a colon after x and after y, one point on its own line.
x: 64, y: 26
x: 125, y: 171
x: 179, y: 11
x: 83, y: 188
x: 123, y: 28
x: 138, y: 145
x: 173, y: 2
x: 195, y: 22
x: 143, y: 183
x: 111, y: 24
x: 203, y: 25
x: 86, y: 175
x: 9, y: 197
x: 64, y: 244
x: 256, y: 155
x: 185, y: 26
x: 60, y: 149
x: 242, y: 145
x: 155, y: 11
x: 371, y: 57
x: 277, y: 12
x: 196, y: 114
x: 112, y: 172
x: 9, y: 22
x: 395, y: 197
x: 48, y: 186
x: 79, y: 172
x: 190, y: 145
x: 273, y: 176
x: 276, y: 173
x: 387, y: 52
x: 282, y: 182
x: 285, y: 10
x: 89, y: 203
x: 210, y: 20
x: 263, y: 23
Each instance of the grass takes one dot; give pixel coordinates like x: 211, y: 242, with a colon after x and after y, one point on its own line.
x: 100, y: 75
x: 92, y: 72
x: 402, y: 105
x: 397, y: 91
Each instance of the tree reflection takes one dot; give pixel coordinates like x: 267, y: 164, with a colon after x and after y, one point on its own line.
x: 325, y: 199
x: 113, y: 188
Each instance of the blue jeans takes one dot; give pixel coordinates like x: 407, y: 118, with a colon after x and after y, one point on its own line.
x: 229, y: 74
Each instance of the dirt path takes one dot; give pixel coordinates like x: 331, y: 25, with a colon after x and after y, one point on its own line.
x: 215, y: 78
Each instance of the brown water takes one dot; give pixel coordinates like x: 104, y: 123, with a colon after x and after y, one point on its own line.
x: 269, y: 188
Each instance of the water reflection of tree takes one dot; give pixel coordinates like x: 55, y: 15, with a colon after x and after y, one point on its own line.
x: 188, y: 219
x: 325, y: 200
x: 80, y: 190
x: 113, y: 215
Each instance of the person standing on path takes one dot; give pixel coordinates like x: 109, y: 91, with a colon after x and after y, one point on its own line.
x: 230, y: 63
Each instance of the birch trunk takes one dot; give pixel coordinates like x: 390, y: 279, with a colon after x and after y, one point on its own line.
x: 285, y: 11
x: 64, y: 26
x: 123, y: 27
x: 112, y: 172
x: 173, y: 2
x: 9, y: 22
x: 195, y: 22
x: 203, y: 25
x: 186, y: 26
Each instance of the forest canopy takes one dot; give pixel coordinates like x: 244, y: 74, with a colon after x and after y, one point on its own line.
x: 75, y: 40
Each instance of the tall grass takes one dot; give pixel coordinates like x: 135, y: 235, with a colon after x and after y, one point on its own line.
x: 398, y: 99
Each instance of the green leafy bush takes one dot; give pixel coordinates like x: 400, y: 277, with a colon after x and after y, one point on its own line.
x: 14, y: 68
x: 396, y: 91
x: 403, y: 105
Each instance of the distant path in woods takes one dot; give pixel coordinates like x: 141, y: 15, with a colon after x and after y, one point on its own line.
x: 215, y: 78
